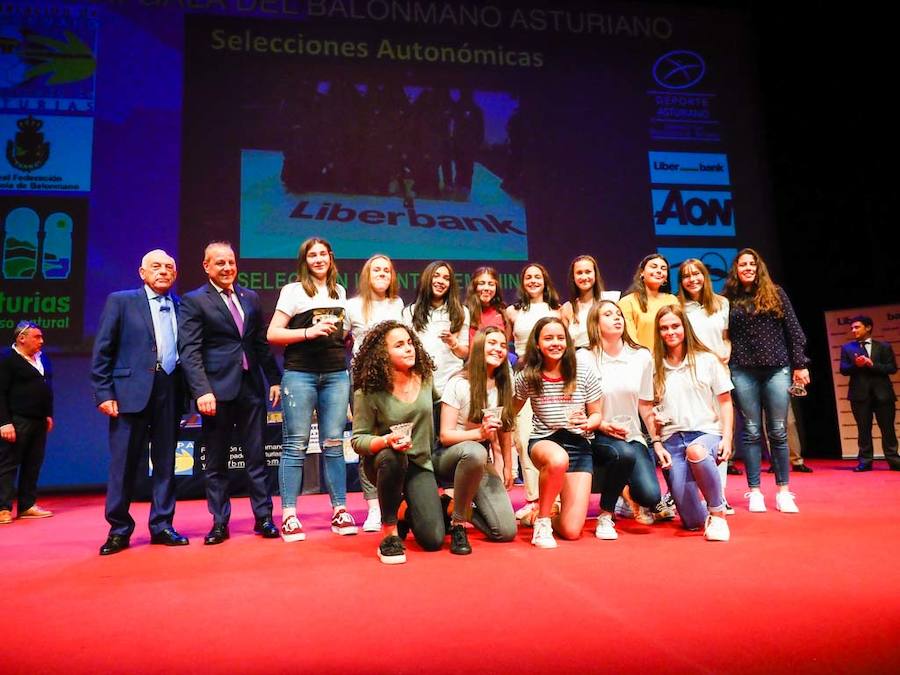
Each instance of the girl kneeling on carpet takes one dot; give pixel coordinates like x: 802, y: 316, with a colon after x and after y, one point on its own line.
x: 559, y: 444
x: 626, y: 370
x: 693, y: 390
x: 392, y: 380
x: 469, y: 432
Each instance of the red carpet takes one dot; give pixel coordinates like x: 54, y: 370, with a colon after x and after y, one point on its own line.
x: 808, y: 593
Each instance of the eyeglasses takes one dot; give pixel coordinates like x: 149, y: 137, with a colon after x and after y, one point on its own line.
x: 797, y: 390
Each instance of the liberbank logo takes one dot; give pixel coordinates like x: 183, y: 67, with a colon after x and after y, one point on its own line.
x: 689, y: 168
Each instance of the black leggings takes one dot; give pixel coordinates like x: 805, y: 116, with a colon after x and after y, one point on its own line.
x: 395, y: 477
x: 625, y: 463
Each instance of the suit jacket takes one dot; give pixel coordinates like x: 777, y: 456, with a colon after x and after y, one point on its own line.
x: 124, y: 357
x: 211, y: 348
x: 23, y: 390
x: 869, y: 383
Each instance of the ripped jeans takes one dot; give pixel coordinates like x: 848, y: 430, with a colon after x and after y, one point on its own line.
x: 762, y: 394
x: 328, y: 394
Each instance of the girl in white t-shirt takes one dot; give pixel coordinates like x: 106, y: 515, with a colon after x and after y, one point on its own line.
x: 695, y: 413
x: 626, y: 370
x: 378, y: 300
x: 440, y: 320
x: 565, y: 400
x: 468, y: 432
x: 708, y: 314
x: 310, y: 320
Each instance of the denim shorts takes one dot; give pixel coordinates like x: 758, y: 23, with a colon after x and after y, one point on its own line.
x: 577, y: 447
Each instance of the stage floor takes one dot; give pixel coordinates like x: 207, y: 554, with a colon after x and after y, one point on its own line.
x: 808, y: 593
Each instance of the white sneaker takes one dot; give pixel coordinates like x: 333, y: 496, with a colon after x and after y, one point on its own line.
x: 543, y: 534
x: 784, y: 502
x: 644, y: 516
x: 716, y: 529
x: 729, y: 509
x: 606, y: 528
x: 373, y: 521
x: 757, y: 501
x: 342, y: 523
x: 292, y: 530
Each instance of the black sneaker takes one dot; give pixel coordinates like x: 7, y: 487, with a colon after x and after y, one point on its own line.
x: 391, y: 551
x: 459, y: 540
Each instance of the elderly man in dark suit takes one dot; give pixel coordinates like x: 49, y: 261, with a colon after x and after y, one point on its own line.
x: 138, y: 384
x: 870, y: 363
x: 222, y: 342
x: 26, y: 416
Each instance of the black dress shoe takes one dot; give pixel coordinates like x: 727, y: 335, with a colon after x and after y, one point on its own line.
x: 862, y: 466
x: 169, y: 537
x: 113, y: 544
x: 734, y: 470
x: 217, y: 535
x: 801, y: 468
x: 266, y: 528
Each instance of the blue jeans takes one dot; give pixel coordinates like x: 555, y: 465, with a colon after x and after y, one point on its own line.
x: 757, y: 390
x: 686, y: 475
x: 328, y: 394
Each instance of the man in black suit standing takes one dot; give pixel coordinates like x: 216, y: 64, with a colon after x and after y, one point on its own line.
x: 223, y: 349
x: 137, y: 383
x: 870, y: 363
x: 26, y: 416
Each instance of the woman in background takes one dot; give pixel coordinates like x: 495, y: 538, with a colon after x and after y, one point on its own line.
x: 648, y: 293
x: 440, y: 321
x: 585, y: 290
x: 485, y: 302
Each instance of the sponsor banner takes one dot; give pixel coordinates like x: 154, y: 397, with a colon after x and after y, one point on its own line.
x: 273, y: 219
x: 717, y: 261
x: 679, y: 111
x: 886, y: 328
x: 689, y: 168
x: 42, y: 267
x: 184, y: 459
x: 47, y: 58
x: 693, y: 213
x: 45, y: 153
